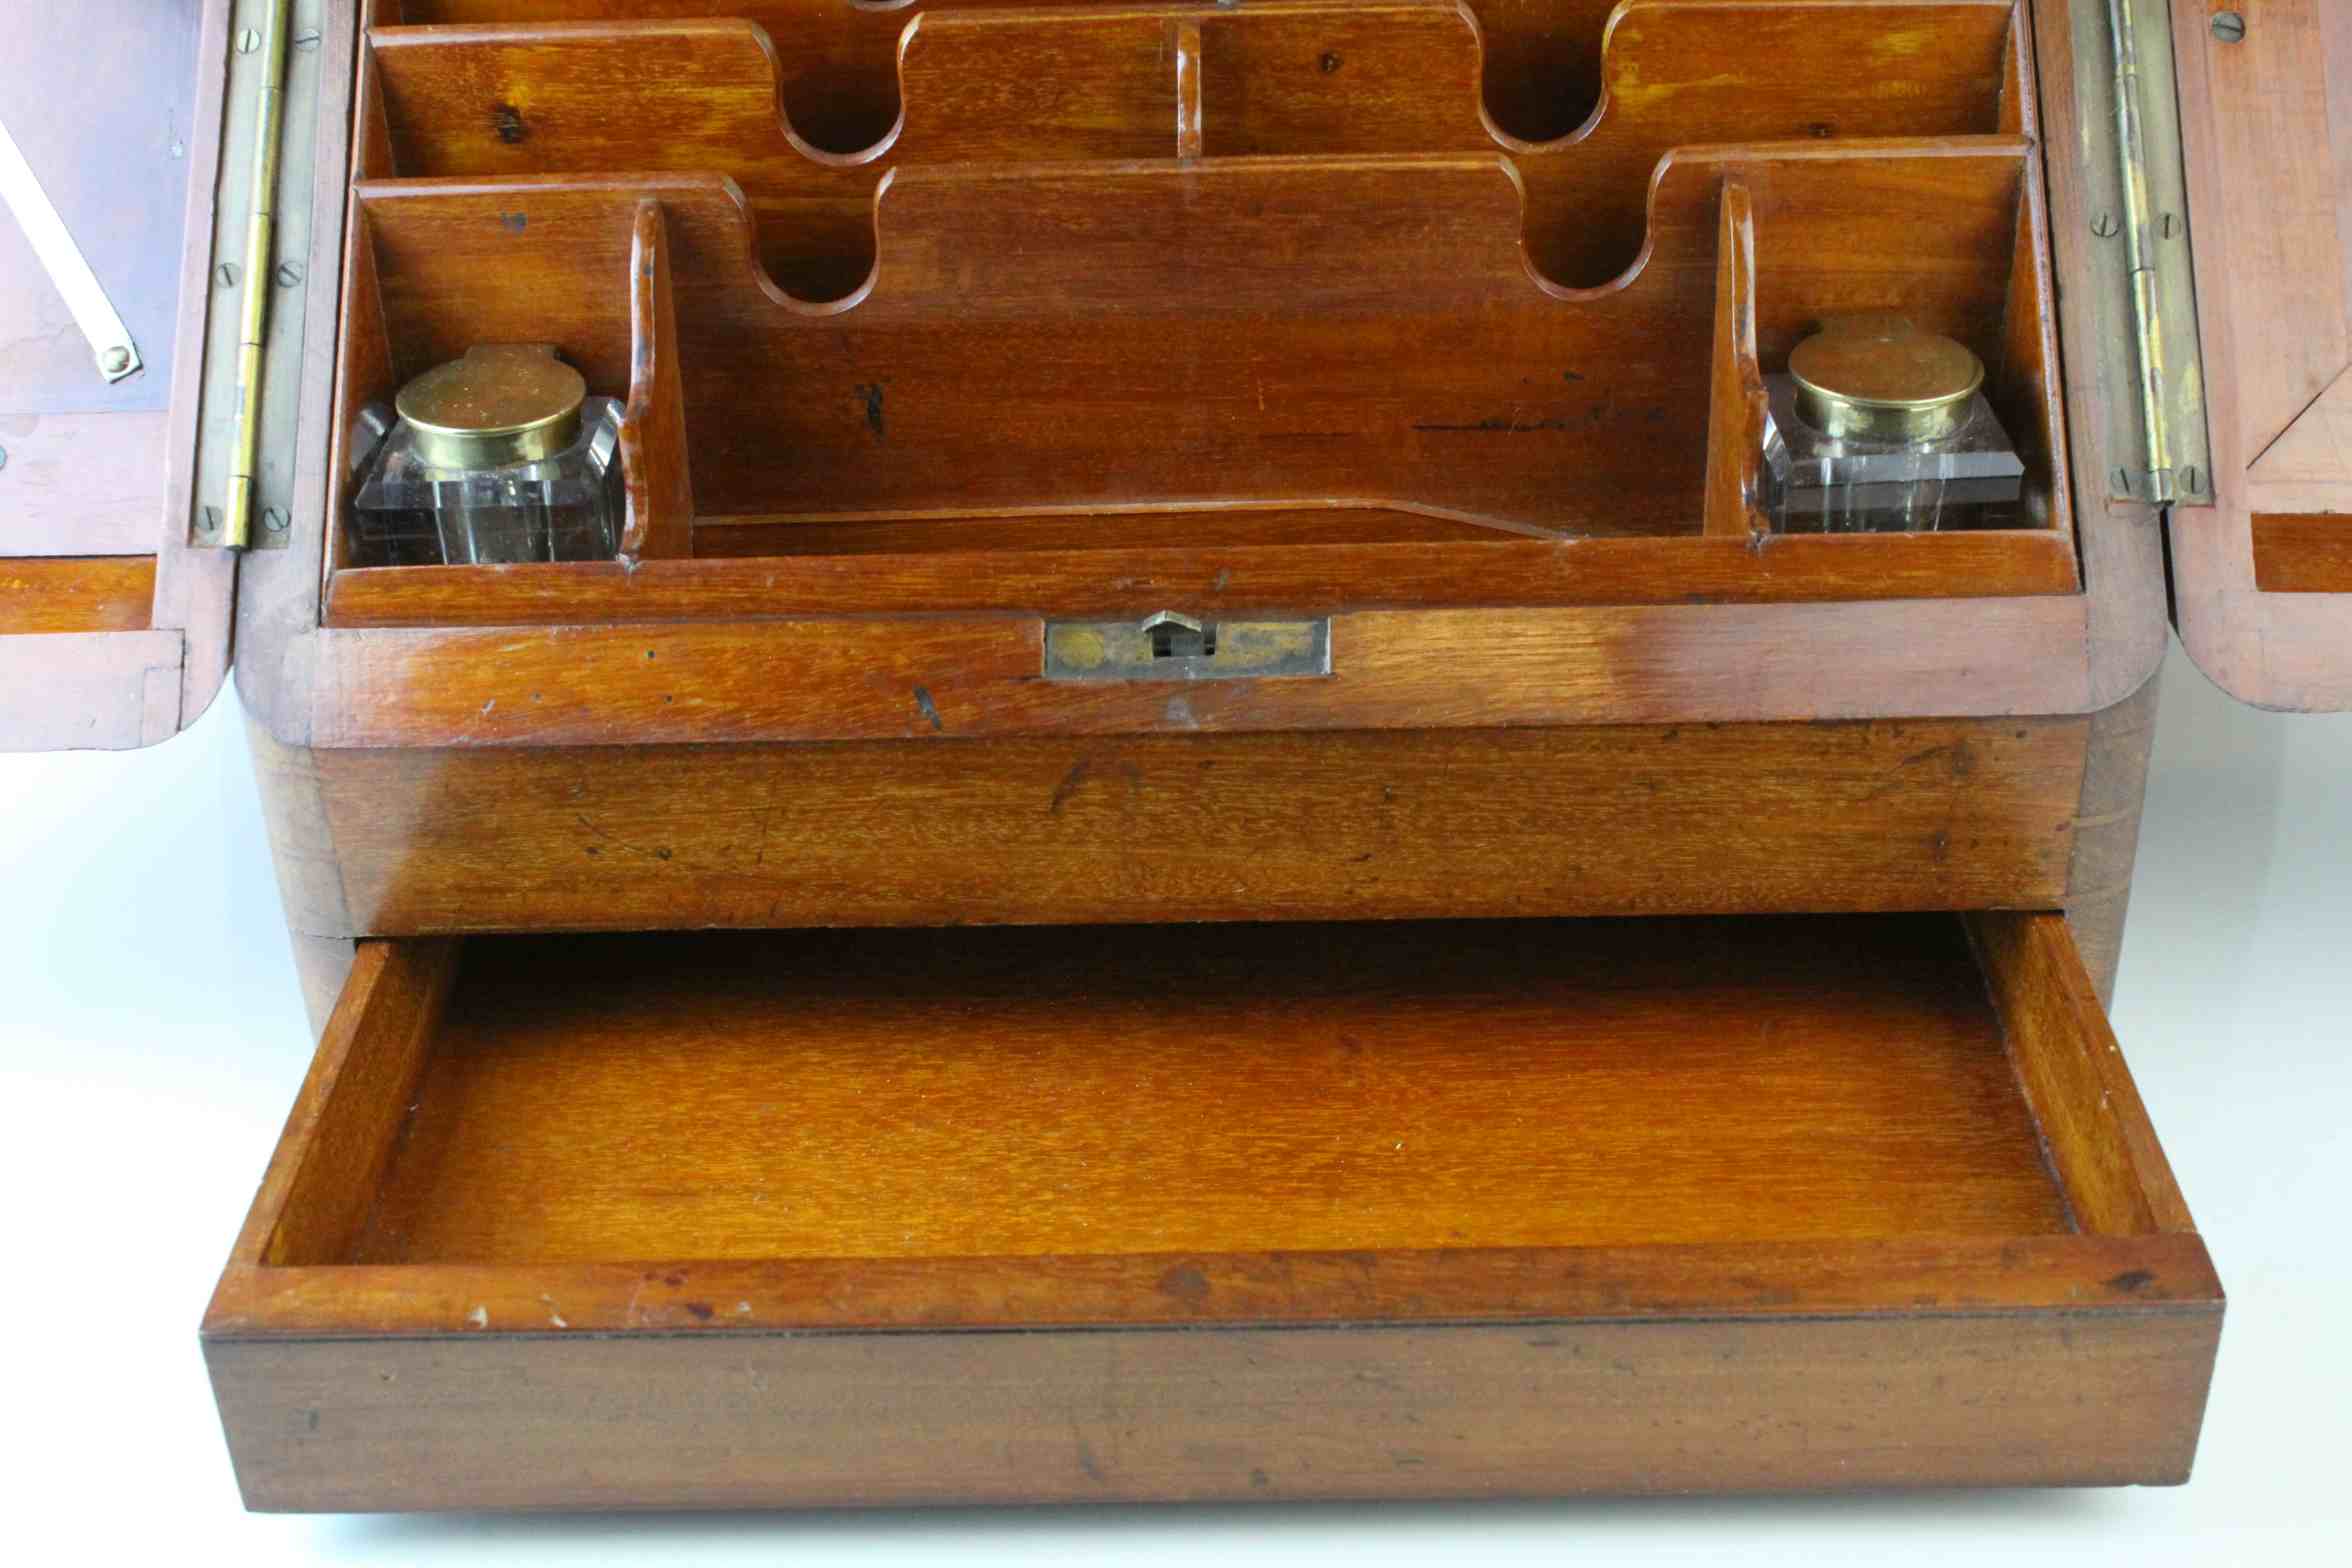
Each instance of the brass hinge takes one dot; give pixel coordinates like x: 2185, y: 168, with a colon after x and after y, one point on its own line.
x: 243, y: 492
x: 2143, y: 288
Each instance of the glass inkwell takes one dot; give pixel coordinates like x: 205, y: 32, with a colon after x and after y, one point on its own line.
x: 1879, y: 427
x: 496, y: 458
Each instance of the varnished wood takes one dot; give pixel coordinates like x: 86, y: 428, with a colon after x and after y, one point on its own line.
x: 2266, y: 124
x: 2027, y: 1326
x: 1518, y: 408
x: 1736, y: 409
x: 107, y: 593
x: 1226, y: 1088
x: 1929, y: 815
x: 349, y: 1124
x: 1310, y: 77
x: 965, y: 565
x: 2103, y: 1151
x: 659, y: 518
x: 2107, y: 832
x: 2122, y: 542
x: 2302, y: 552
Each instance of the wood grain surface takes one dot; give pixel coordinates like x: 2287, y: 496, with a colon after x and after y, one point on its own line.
x: 1928, y: 815
x: 105, y: 593
x: 1219, y: 1088
x: 2032, y: 1357
x: 2266, y: 124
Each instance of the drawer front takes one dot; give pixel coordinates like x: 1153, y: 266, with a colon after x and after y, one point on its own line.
x: 1462, y: 1209
x: 1924, y: 814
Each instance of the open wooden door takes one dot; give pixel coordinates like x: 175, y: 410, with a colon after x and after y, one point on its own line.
x: 114, y: 618
x: 2262, y: 581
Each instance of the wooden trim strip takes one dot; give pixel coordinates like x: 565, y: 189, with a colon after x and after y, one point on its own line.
x: 2101, y: 1147
x: 1432, y: 669
x: 1974, y: 1276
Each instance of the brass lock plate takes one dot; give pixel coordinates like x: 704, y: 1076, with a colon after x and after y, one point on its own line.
x: 1169, y: 646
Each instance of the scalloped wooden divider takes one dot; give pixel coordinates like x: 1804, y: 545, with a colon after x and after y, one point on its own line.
x: 837, y: 61
x: 1308, y: 77
x: 1096, y: 84
x: 1233, y: 333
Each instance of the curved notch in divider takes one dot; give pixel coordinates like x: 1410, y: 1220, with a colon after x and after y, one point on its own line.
x: 1280, y: 332
x: 837, y: 59
x: 1686, y: 73
x: 1296, y: 78
x: 655, y: 478
x: 1736, y: 404
x: 1306, y: 76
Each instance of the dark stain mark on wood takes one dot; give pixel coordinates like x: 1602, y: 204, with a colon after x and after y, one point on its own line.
x: 513, y: 222
x: 928, y: 708
x: 507, y: 120
x: 1186, y: 1283
x: 2131, y: 1281
x: 1071, y: 782
x: 1088, y: 1463
x: 872, y: 396
x: 702, y: 1310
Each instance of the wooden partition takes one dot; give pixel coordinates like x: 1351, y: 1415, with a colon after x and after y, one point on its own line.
x: 1255, y: 307
x: 1308, y: 77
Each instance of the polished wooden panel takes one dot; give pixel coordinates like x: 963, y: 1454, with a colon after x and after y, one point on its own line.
x: 2303, y: 552
x: 1221, y: 1088
x: 2030, y: 1357
x: 2267, y: 129
x: 966, y: 565
x: 107, y: 593
x: 1938, y: 815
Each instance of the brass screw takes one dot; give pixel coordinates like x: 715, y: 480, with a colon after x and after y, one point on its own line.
x: 273, y: 520
x: 248, y: 41
x: 226, y: 274
x: 2229, y: 26
x: 306, y: 41
x: 2105, y: 226
x: 116, y: 361
x: 288, y: 274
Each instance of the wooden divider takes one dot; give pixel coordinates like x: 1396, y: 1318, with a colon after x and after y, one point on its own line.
x: 654, y: 462
x: 1306, y: 77
x: 1355, y: 332
x: 837, y: 62
x: 1736, y: 408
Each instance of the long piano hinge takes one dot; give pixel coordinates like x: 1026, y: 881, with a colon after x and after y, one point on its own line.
x: 258, y: 290
x: 2144, y: 295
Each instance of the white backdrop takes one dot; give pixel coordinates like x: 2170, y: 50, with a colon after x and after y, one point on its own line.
x: 155, y: 1036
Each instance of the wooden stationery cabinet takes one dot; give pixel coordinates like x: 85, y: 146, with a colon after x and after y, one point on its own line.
x: 1207, y: 833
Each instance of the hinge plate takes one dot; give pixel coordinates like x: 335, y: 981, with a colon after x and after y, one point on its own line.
x: 286, y: 292
x: 2151, y: 379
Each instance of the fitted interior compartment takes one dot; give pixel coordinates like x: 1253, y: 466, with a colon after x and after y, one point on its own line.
x: 1302, y: 78
x: 1234, y: 309
x: 1225, y: 1089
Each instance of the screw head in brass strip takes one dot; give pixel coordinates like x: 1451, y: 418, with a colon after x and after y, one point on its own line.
x: 504, y: 403
x: 1879, y: 378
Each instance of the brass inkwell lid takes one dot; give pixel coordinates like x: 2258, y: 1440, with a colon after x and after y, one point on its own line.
x: 1879, y: 378
x: 504, y: 403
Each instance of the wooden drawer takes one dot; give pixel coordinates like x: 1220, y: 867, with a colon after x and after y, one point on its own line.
x: 1195, y: 1212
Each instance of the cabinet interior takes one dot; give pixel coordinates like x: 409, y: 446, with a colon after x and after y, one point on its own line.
x: 1062, y: 1091
x: 1091, y: 309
